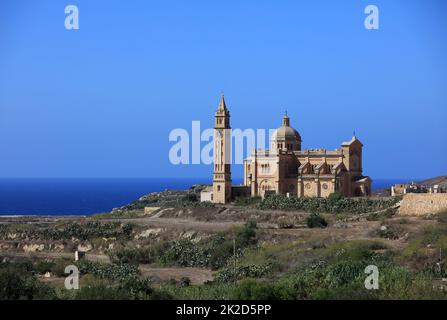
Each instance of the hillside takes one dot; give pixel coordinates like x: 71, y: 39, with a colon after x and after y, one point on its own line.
x: 188, y: 252
x: 441, y: 181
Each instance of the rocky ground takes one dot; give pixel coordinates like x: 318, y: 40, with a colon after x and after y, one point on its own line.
x: 165, y: 224
x: 282, y: 243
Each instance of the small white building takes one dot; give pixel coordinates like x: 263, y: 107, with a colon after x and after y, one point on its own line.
x: 207, y: 194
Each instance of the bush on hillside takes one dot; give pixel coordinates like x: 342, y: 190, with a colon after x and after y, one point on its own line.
x: 314, y: 220
x: 18, y: 283
x: 335, y: 204
x: 255, y: 290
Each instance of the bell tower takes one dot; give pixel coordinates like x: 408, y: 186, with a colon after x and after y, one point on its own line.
x: 222, y: 154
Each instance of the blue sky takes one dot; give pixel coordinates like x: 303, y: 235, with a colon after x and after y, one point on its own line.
x: 101, y: 101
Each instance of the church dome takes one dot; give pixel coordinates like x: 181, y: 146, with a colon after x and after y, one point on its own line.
x: 286, y: 133
x: 286, y: 137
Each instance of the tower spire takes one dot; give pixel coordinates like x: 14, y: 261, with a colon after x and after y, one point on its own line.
x: 222, y: 104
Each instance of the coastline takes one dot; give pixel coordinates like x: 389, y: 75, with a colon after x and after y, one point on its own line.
x: 77, y: 198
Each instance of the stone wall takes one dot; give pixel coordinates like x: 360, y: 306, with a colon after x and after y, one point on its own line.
x: 418, y: 204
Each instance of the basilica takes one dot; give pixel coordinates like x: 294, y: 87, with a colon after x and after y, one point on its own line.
x: 286, y: 168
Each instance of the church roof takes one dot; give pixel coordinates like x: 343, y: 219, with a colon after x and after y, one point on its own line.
x: 362, y: 179
x: 353, y: 139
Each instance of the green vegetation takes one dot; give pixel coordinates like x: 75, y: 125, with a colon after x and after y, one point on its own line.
x: 333, y: 204
x: 247, y: 201
x: 426, y: 251
x: 247, y: 262
x: 82, y: 231
x: 18, y: 283
x: 314, y: 220
x: 392, y: 232
x: 315, y: 268
x: 213, y: 253
x: 334, y: 272
x: 241, y: 272
x: 119, y: 272
x: 133, y: 255
x: 335, y: 197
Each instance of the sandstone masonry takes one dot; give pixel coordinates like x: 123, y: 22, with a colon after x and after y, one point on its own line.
x: 419, y: 204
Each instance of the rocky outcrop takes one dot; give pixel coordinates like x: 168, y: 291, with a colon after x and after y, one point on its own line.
x: 33, y: 247
x: 85, y: 247
x: 149, y: 233
x: 167, y: 198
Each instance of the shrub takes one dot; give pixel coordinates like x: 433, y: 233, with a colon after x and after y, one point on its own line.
x: 221, y: 247
x: 209, y: 291
x: 117, y: 272
x: 335, y: 204
x: 43, y: 267
x: 388, y: 232
x: 186, y: 254
x: 342, y: 277
x: 185, y: 282
x: 250, y: 271
x: 247, y: 234
x: 314, y: 220
x: 58, y: 266
x: 247, y: 201
x: 101, y: 292
x: 214, y: 254
x: 221, y: 250
x: 254, y: 290
x: 335, y: 197
x: 17, y: 283
x: 129, y: 288
x: 144, y: 255
x: 81, y: 231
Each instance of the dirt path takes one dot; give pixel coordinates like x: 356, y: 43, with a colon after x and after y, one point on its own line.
x: 181, y: 224
x: 55, y: 255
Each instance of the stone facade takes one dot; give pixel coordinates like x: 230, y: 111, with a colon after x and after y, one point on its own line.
x: 288, y: 170
x: 222, y: 152
x: 207, y: 194
x: 285, y: 168
x: 421, y: 204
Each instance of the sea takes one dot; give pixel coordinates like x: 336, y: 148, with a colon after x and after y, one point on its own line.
x: 89, y: 196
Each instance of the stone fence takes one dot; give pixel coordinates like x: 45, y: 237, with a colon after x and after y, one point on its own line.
x: 419, y: 204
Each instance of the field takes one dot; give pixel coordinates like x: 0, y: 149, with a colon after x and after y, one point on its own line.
x: 241, y: 251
